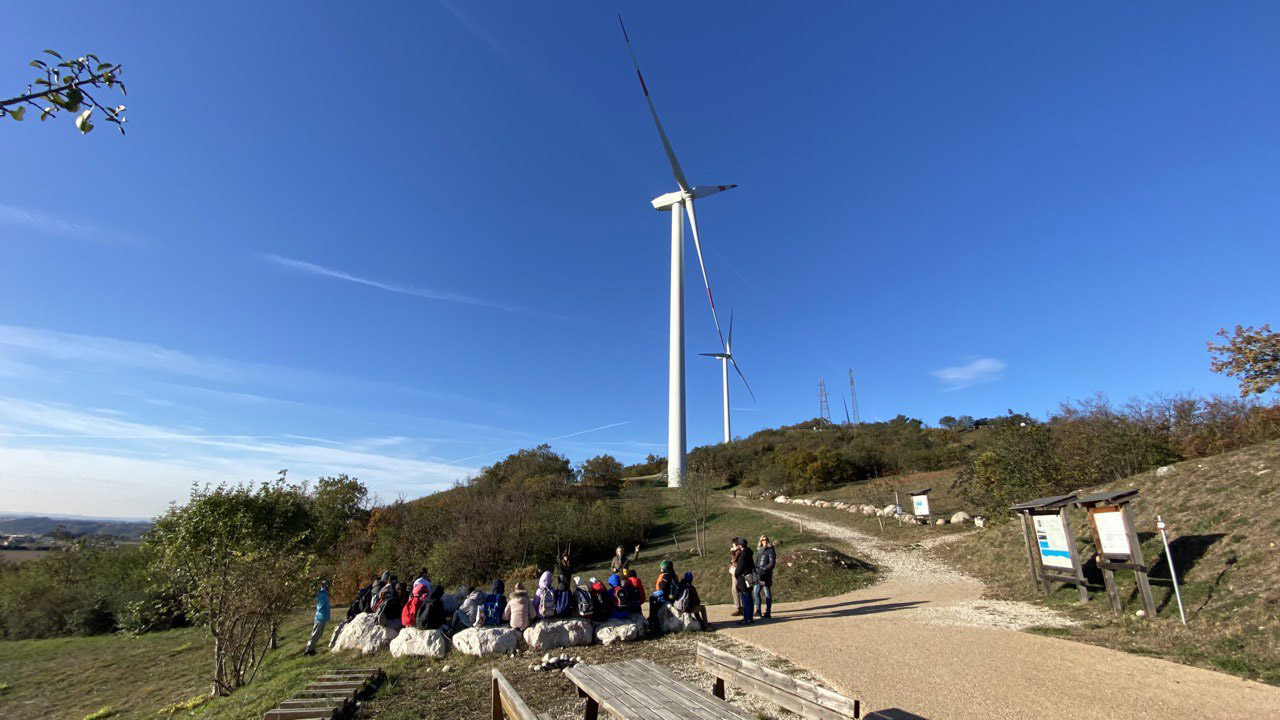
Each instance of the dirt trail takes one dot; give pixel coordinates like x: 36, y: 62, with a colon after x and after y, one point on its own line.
x: 923, y: 643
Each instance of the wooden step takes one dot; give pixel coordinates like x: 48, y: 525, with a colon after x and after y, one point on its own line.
x: 300, y: 714
x: 345, y: 693
x: 315, y: 702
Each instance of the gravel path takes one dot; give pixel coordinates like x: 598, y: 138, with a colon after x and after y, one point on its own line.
x: 924, y: 643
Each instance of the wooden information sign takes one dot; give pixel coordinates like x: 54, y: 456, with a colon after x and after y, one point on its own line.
x: 1117, y: 542
x: 920, y: 504
x: 1051, y: 544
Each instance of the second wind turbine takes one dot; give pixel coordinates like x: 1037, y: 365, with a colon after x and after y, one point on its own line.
x: 726, y: 358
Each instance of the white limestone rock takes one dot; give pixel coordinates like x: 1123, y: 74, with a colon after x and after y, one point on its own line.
x: 486, y: 641
x: 422, y: 643
x: 868, y: 509
x: 782, y: 499
x: 621, y: 630
x: 551, y: 634
x: 671, y: 620
x: 960, y: 518
x: 364, y: 635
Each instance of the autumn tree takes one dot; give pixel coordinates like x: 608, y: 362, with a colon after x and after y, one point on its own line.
x: 64, y: 85
x: 243, y: 554
x: 601, y: 471
x: 1250, y: 355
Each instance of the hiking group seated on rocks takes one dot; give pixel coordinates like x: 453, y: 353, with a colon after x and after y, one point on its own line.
x: 394, y: 605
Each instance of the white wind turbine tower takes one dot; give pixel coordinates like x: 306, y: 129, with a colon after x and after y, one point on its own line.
x: 726, y: 358
x: 677, y: 203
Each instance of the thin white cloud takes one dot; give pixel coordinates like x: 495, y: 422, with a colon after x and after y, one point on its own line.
x: 549, y: 439
x: 142, y: 466
x: 47, y: 224
x: 99, y: 351
x: 979, y: 371
x: 420, y: 292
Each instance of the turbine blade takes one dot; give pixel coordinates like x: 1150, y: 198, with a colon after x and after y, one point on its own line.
x: 714, y: 355
x: 701, y: 191
x: 744, y: 379
x: 666, y: 144
x: 729, y: 344
x: 697, y: 244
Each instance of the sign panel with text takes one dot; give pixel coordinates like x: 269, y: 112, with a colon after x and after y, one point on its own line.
x: 1113, y: 535
x: 1052, y: 538
x: 920, y: 504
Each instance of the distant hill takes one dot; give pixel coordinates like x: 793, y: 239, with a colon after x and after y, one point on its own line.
x: 32, y: 525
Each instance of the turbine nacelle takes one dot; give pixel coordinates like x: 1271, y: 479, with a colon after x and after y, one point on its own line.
x: 664, y: 202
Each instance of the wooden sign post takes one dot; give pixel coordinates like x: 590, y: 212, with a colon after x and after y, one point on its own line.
x: 1051, y: 544
x: 920, y: 504
x: 1116, y: 540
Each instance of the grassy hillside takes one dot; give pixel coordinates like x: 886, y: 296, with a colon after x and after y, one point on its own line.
x: 1223, y: 516
x: 808, y: 567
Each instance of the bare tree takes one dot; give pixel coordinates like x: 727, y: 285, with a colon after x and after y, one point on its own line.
x: 696, y: 493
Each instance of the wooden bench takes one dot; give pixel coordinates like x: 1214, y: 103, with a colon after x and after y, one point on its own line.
x: 800, y: 697
x: 641, y: 690
x: 507, y: 703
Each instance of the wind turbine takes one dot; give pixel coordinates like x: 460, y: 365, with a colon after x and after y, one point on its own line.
x: 677, y: 203
x: 726, y: 358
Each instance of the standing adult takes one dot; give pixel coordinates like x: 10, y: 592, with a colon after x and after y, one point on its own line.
x: 321, y: 619
x: 621, y: 561
x: 766, y: 560
x: 744, y: 567
x: 734, y: 552
x: 565, y: 568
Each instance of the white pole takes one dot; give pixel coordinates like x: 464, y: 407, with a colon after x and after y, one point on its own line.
x: 675, y: 394
x: 724, y: 378
x: 1173, y: 574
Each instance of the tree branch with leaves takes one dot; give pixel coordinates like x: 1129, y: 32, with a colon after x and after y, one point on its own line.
x: 1250, y: 355
x: 66, y: 86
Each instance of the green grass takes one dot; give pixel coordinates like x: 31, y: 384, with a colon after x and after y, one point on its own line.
x: 156, y: 675
x: 166, y: 674
x: 803, y: 573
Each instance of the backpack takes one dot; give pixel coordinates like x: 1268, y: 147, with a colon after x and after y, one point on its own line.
x: 410, y: 611
x: 562, y: 602
x: 602, y: 607
x: 586, y: 607
x: 493, y: 606
x: 687, y: 599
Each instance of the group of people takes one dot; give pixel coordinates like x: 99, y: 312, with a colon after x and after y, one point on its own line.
x: 752, y: 578
x: 423, y: 605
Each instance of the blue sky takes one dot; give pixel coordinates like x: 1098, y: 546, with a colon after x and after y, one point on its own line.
x: 399, y: 241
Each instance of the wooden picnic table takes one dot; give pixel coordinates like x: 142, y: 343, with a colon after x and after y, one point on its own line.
x: 640, y: 690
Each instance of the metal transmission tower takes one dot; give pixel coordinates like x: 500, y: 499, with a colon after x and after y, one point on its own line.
x: 853, y: 399
x: 823, y: 411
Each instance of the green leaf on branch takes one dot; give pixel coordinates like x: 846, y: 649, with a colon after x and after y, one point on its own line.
x: 38, y: 64
x: 44, y: 114
x: 82, y: 121
x: 74, y: 98
x: 17, y: 113
x: 104, y: 66
x: 50, y: 52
